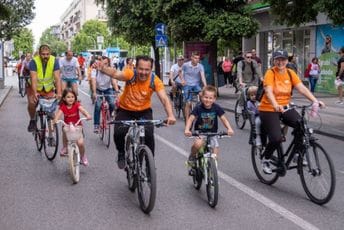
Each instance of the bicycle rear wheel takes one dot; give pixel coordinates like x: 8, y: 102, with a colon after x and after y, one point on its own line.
x: 318, y: 176
x: 74, y: 162
x: 213, y: 183
x: 146, y: 173
x: 256, y: 157
x: 51, y: 142
x: 177, y: 104
x: 240, y: 119
x: 39, y: 132
x: 107, y: 131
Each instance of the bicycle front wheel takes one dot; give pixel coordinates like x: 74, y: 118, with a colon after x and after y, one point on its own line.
x: 146, y: 179
x: 22, y: 89
x: 213, y: 183
x: 197, y: 177
x: 240, y: 119
x: 103, y: 124
x: 74, y: 162
x: 318, y: 175
x: 39, y: 132
x: 256, y: 157
x: 107, y: 131
x: 51, y: 139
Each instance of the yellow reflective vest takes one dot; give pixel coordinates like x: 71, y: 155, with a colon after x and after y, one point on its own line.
x: 45, y: 81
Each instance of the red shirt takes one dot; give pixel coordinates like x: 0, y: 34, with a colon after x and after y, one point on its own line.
x: 81, y: 61
x: 71, y: 115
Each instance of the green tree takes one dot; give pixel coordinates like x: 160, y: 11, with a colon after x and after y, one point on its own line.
x: 14, y: 15
x: 296, y: 12
x: 87, y: 36
x: 23, y: 42
x: 56, y: 45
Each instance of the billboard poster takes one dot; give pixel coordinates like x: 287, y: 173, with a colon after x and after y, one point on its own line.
x: 329, y: 39
x: 208, y: 57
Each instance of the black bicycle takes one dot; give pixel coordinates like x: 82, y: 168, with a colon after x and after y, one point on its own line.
x: 240, y: 110
x: 140, y: 164
x: 205, y: 168
x: 23, y: 81
x: 313, y: 163
x: 178, y: 102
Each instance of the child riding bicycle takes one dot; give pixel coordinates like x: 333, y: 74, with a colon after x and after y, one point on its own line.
x: 205, y: 114
x: 70, y: 108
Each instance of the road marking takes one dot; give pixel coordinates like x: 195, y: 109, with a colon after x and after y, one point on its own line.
x: 340, y: 171
x: 253, y: 194
x: 83, y: 91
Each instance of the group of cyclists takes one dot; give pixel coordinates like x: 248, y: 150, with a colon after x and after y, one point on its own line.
x: 50, y: 77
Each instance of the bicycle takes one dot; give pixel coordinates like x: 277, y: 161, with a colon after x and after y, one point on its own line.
x: 73, y: 134
x: 23, y: 81
x: 105, y: 117
x: 140, y: 164
x: 314, y: 165
x: 240, y: 110
x: 205, y: 167
x: 46, y: 133
x: 178, y: 102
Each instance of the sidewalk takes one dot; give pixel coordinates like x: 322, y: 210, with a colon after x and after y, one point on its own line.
x: 330, y: 123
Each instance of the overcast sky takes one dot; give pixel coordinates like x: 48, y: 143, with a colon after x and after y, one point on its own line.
x: 48, y: 13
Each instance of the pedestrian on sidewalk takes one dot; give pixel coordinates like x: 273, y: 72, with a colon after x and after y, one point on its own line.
x: 314, y: 73
x: 340, y: 76
x: 227, y: 71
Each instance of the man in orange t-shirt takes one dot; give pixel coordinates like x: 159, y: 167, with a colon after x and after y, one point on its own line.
x: 278, y: 86
x: 135, y: 102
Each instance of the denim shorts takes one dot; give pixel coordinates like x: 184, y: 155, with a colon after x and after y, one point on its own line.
x: 187, y: 91
x: 70, y: 80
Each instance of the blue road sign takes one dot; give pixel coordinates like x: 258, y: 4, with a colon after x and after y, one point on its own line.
x: 160, y: 29
x: 160, y: 40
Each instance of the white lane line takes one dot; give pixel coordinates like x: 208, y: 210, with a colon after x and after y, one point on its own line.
x: 253, y: 194
x: 83, y: 92
x: 340, y: 171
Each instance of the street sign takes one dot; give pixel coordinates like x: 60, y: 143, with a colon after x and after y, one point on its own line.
x: 160, y: 29
x: 160, y: 40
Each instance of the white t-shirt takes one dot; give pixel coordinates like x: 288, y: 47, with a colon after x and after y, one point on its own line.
x: 68, y: 68
x: 175, y: 68
x: 103, y: 81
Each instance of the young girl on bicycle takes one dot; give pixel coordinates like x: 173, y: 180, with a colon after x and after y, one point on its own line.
x: 205, y: 114
x: 70, y: 108
x: 252, y: 107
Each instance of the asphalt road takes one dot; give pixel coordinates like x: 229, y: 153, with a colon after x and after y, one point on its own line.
x: 38, y: 194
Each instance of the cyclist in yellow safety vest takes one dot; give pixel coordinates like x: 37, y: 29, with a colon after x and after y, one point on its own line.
x: 44, y: 79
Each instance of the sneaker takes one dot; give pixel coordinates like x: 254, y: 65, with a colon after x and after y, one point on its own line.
x: 32, y: 126
x: 84, y: 160
x: 266, y: 166
x: 51, y: 142
x: 121, y: 161
x: 96, y: 129
x: 63, y: 152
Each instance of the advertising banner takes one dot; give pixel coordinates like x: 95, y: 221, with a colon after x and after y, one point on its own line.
x: 329, y: 39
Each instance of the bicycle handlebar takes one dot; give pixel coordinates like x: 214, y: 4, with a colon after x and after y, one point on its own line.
x: 157, y: 123
x: 78, y: 122
x: 206, y: 134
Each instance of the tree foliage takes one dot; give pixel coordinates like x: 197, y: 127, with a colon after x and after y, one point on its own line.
x: 296, y: 12
x: 23, y: 42
x: 56, y: 45
x: 15, y: 15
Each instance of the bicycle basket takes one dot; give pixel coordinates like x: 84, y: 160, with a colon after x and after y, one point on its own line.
x: 73, y: 134
x: 48, y: 105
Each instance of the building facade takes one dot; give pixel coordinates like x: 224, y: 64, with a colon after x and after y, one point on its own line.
x: 78, y: 12
x: 303, y: 42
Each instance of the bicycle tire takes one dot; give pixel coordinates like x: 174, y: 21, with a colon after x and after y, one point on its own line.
x: 50, y: 150
x: 256, y: 157
x: 198, y: 175
x: 213, y: 183
x: 146, y: 174
x: 130, y: 169
x: 22, y: 87
x: 319, y: 159
x: 240, y: 119
x: 107, y: 131
x: 74, y: 162
x: 38, y: 134
x: 103, y: 124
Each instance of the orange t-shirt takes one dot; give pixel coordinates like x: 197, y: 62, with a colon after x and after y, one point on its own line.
x: 137, y: 95
x: 281, y: 88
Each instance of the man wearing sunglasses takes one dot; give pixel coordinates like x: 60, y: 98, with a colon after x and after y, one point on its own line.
x: 248, y: 71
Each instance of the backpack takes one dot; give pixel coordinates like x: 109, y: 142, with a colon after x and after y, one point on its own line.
x: 261, y: 91
x: 151, y: 84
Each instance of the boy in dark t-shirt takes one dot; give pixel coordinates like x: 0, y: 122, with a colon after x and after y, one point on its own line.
x: 205, y: 114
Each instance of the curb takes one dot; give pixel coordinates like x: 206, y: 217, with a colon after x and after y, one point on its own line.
x: 5, y: 93
x: 324, y: 133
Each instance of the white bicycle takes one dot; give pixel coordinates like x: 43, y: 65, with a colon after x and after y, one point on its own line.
x: 73, y: 134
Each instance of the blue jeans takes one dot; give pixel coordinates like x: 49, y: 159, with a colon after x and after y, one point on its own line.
x: 312, y: 82
x: 187, y: 91
x: 97, y: 104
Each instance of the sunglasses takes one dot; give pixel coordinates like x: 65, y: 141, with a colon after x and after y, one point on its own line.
x: 248, y: 56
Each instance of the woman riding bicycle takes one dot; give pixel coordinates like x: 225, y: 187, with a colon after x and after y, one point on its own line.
x: 278, y: 85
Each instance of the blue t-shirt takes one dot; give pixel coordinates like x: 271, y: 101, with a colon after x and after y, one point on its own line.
x: 206, y: 119
x: 33, y: 66
x: 192, y: 74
